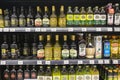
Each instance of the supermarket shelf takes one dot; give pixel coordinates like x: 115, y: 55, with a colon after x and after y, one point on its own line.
x: 69, y: 29
x: 55, y: 62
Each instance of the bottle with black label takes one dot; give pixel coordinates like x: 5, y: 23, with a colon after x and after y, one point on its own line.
x: 33, y: 73
x: 14, y: 18
x: 46, y: 20
x: 13, y: 74
x: 7, y: 18
x: 27, y: 73
x: 20, y: 73
x: 6, y: 74
x: 22, y: 21
x: 4, y: 48
x: 30, y: 20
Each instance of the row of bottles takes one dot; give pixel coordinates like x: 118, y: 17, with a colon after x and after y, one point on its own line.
x: 80, y: 72
x: 109, y: 15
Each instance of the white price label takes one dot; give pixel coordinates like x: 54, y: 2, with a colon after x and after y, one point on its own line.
x: 20, y: 62
x: 98, y: 29
x: 12, y: 29
x: 53, y: 30
x: 1, y: 29
x: 109, y: 29
x: 115, y: 61
x: 106, y: 61
x: 100, y: 61
x: 3, y: 62
x: 37, y: 29
x: 27, y: 29
x: 70, y: 29
x: 92, y: 62
x: 6, y: 29
x: 47, y: 62
x: 39, y: 62
x: 43, y: 29
x: 117, y: 29
x: 66, y: 61
x: 84, y: 29
x: 80, y: 62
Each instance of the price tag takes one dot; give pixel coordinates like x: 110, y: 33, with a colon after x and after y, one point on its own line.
x: 1, y: 29
x: 98, y: 29
x: 6, y: 29
x: 80, y: 62
x: 20, y: 62
x: 53, y: 30
x: 117, y: 29
x: 115, y: 61
x: 70, y: 29
x: 39, y: 62
x: 100, y: 61
x: 92, y: 62
x: 106, y: 61
x: 27, y: 29
x: 47, y: 62
x: 43, y: 29
x: 66, y: 61
x: 37, y: 29
x: 84, y: 29
x: 3, y: 62
x: 12, y: 29
x: 109, y: 29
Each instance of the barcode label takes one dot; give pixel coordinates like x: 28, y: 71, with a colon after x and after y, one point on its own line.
x: 70, y: 29
x: 53, y: 30
x: 12, y: 29
x: 20, y: 62
x: 43, y: 29
x: 100, y: 61
x: 27, y: 29
x: 39, y: 62
x: 106, y: 61
x: 6, y: 29
x: 66, y: 61
x: 80, y: 62
x: 3, y: 62
x: 98, y: 29
x: 47, y: 62
x: 115, y: 61
x: 84, y: 29
x: 92, y: 62
x: 37, y: 29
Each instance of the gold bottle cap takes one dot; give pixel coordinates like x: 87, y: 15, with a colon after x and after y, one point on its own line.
x: 0, y: 11
x: 73, y: 37
x: 57, y: 37
x: 40, y: 37
x: 65, y: 37
x: 48, y: 37
x: 46, y: 9
x: 53, y: 8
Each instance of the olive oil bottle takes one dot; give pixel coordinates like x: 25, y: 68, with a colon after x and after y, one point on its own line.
x: 46, y: 20
x: 83, y: 17
x: 56, y: 73
x: 7, y: 18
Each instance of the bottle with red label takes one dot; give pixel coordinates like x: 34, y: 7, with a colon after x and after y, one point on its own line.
x: 27, y: 73
x: 110, y: 17
x: 20, y: 73
x: 6, y: 73
x: 33, y: 73
x: 13, y: 74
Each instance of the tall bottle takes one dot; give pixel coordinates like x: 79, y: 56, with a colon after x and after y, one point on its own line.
x: 81, y: 47
x: 6, y: 73
x: 7, y: 18
x: 62, y: 18
x: 48, y: 73
x: 34, y: 47
x: 95, y: 73
x: 38, y: 18
x: 46, y: 20
x: 20, y: 73
x: 53, y: 18
x: 41, y: 73
x: 33, y: 73
x: 22, y: 21
x: 90, y: 17
x: 72, y: 73
x: 14, y: 48
x: 87, y: 73
x: 76, y: 17
x: 97, y: 16
x: 65, y: 49
x: 27, y: 73
x: 106, y: 47
x: 64, y: 73
x: 14, y: 18
x: 56, y: 73
x: 79, y: 73
x: 70, y: 17
x: 115, y: 73
x: 103, y: 18
x: 30, y: 20
x: 83, y: 17
x: 90, y: 49
x: 73, y: 48
x: 117, y: 15
x: 57, y: 49
x: 40, y: 50
x: 13, y: 74
x: 4, y: 48
x: 110, y: 17
x: 119, y: 48
x: 48, y: 49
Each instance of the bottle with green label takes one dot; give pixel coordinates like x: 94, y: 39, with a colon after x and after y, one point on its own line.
x: 90, y: 17
x: 56, y: 73
x: 79, y: 73
x: 69, y: 17
x: 48, y: 73
x: 110, y: 74
x: 83, y: 16
x: 87, y: 73
x: 76, y: 17
x: 103, y: 18
x: 64, y: 73
x: 72, y: 75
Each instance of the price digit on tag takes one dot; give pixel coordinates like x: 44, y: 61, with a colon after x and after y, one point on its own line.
x: 47, y: 62
x: 37, y: 29
x: 98, y: 29
x: 109, y: 29
x: 84, y: 29
x: 106, y: 61
x: 100, y: 61
x: 12, y: 29
x: 66, y: 61
x: 80, y: 62
x: 39, y: 62
x: 70, y: 29
x: 115, y: 61
x: 3, y: 62
x: 27, y: 29
x: 6, y: 29
x: 20, y: 62
x: 92, y: 62
x: 53, y: 30
x: 43, y: 29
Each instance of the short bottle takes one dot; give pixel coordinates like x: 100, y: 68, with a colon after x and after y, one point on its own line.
x: 13, y: 74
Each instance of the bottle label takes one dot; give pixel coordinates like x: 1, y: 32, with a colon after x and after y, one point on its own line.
x: 53, y: 22
x: 107, y: 49
x: 25, y: 51
x: 79, y: 77
x: 57, y: 53
x: 40, y: 77
x: 65, y: 53
x: 3, y: 51
x: 19, y: 76
x: 87, y: 77
x: 34, y: 51
x: 103, y: 19
x: 38, y: 22
x: 48, y: 53
x: 33, y: 75
x: 64, y: 77
x: 46, y: 22
x: 72, y: 77
x: 82, y: 50
x: 110, y: 19
x: 117, y: 19
x: 95, y: 77
x: 13, y: 76
x: 76, y: 18
x: 6, y: 76
x: 83, y: 17
x: 7, y: 23
x: 70, y: 17
x: 110, y: 78
x: 62, y: 22
x: 114, y: 48
x: 13, y: 22
x: 27, y: 75
x: 90, y: 17
x: 48, y: 77
x: 40, y: 53
x: 30, y: 22
x: 22, y: 22
x: 96, y: 19
x: 56, y: 77
x: 90, y: 52
x: 13, y: 51
x: 73, y: 53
